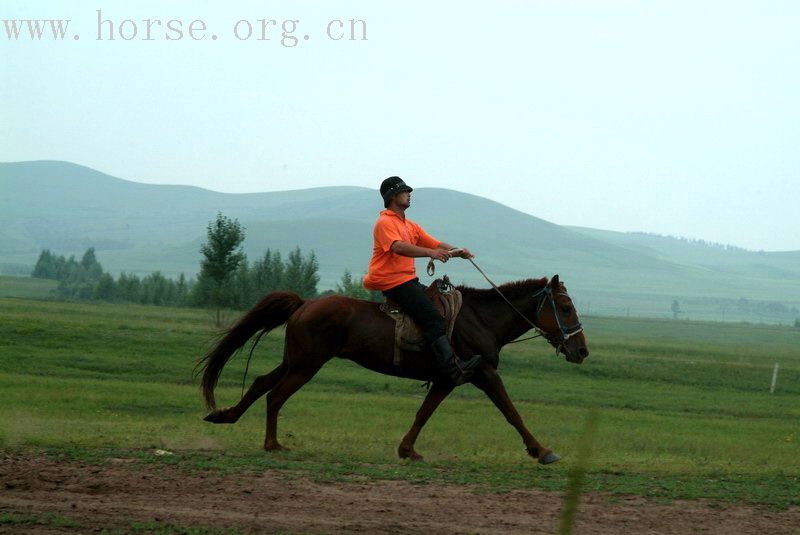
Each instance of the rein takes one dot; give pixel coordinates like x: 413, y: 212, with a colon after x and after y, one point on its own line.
x: 566, y: 332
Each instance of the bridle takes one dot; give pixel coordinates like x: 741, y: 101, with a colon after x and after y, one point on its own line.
x: 542, y: 294
x: 566, y: 331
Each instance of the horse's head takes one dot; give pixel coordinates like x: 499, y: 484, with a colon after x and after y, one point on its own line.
x: 558, y: 320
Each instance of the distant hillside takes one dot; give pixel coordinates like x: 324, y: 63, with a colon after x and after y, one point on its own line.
x: 143, y: 227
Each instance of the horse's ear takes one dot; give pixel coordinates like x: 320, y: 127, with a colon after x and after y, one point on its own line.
x: 554, y: 282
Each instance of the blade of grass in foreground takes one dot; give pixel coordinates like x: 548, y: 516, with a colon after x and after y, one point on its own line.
x: 577, y: 475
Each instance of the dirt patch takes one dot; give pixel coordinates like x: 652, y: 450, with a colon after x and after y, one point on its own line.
x: 124, y: 492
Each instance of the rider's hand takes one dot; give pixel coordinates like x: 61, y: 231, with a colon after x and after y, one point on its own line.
x: 461, y: 252
x: 465, y: 253
x: 439, y: 254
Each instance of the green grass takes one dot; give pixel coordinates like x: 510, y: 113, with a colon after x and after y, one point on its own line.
x: 165, y: 528
x: 56, y: 521
x: 16, y: 520
x: 26, y: 287
x: 684, y: 408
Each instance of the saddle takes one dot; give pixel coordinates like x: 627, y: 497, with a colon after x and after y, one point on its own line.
x: 407, y: 334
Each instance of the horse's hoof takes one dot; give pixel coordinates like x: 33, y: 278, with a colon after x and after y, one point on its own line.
x: 219, y: 416
x: 409, y: 454
x: 549, y: 458
x: 213, y: 416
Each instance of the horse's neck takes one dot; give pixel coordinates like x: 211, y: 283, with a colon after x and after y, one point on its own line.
x: 504, y: 321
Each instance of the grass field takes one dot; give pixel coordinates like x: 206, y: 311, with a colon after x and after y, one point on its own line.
x: 26, y: 287
x: 684, y: 409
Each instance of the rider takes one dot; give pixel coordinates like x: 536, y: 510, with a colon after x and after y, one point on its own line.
x: 397, y: 241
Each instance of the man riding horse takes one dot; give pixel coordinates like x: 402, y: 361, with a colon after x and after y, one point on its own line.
x: 397, y: 241
x: 336, y: 326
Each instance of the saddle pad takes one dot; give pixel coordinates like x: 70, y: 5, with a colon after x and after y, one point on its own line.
x: 407, y: 334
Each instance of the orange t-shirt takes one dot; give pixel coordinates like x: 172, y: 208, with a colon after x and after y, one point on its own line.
x: 388, y: 269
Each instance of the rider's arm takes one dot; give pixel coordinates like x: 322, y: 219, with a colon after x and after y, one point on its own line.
x: 428, y: 246
x: 440, y: 253
x: 404, y: 248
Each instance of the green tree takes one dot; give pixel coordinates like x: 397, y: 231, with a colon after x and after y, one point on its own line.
x: 222, y: 254
x: 182, y: 291
x: 61, y: 267
x: 78, y: 279
x: 277, y: 272
x: 300, y: 274
x: 155, y: 289
x: 45, y: 267
x: 293, y: 273
x: 128, y: 287
x: 56, y: 267
x: 245, y: 297
x: 92, y: 267
x: 347, y: 287
x: 355, y: 288
x: 105, y: 288
x: 309, y: 277
x: 266, y: 274
x: 676, y: 309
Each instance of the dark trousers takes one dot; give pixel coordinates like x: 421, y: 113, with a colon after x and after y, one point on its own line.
x: 411, y: 297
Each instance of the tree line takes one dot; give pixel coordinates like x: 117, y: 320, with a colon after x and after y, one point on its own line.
x: 227, y: 279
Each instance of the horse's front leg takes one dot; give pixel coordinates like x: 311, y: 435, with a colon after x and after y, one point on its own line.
x: 435, y: 396
x: 489, y: 381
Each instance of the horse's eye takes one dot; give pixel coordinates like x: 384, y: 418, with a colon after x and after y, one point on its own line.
x: 566, y: 309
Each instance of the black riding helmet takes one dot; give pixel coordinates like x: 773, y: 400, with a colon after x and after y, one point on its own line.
x: 391, y: 187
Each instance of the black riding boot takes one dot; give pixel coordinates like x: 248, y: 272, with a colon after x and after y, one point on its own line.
x: 449, y: 365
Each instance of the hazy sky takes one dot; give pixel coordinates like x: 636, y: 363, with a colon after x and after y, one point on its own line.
x: 672, y: 117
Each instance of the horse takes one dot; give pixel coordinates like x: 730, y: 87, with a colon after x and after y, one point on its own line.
x: 317, y: 330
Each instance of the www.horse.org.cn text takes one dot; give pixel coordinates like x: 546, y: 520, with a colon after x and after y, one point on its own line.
x: 287, y: 32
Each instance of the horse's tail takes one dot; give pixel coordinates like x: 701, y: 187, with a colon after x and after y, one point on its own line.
x: 272, y: 311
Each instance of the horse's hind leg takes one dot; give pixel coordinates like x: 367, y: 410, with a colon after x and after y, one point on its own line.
x: 288, y: 385
x: 260, y: 386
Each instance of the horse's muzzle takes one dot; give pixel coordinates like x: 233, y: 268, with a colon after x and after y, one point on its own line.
x: 577, y: 356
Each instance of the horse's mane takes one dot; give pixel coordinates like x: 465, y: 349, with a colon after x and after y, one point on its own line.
x: 511, y: 290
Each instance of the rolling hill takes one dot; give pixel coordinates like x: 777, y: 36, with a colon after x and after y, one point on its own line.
x: 141, y: 228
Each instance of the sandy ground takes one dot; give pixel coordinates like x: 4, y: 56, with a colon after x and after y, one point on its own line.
x: 115, y: 496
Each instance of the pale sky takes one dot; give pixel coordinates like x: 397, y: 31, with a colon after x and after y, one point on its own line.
x: 676, y: 117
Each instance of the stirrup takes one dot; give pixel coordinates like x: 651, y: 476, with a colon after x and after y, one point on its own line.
x: 461, y: 371
x: 467, y: 366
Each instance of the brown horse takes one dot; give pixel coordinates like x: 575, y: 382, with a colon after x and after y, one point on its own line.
x: 318, y: 330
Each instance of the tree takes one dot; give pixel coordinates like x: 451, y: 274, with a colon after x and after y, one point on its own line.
x: 92, y: 267
x: 243, y: 286
x: 267, y: 274
x: 128, y: 287
x: 300, y: 274
x: 182, y: 291
x: 348, y: 287
x: 155, y: 289
x: 46, y: 266
x: 222, y: 254
x: 78, y: 279
x: 309, y: 277
x: 57, y: 267
x: 354, y: 288
x: 294, y: 271
x: 105, y: 288
x: 676, y: 309
x: 277, y: 272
